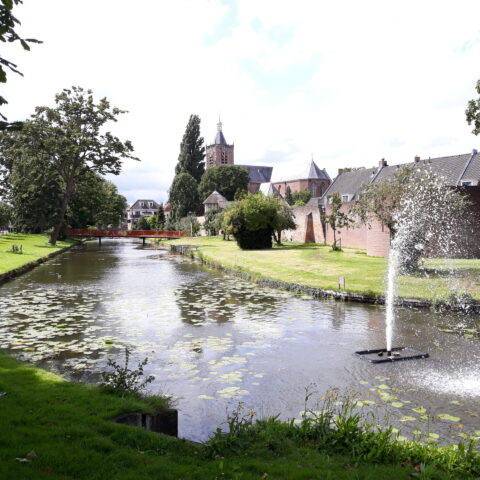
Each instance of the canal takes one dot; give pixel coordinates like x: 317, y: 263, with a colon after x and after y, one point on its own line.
x: 214, y: 340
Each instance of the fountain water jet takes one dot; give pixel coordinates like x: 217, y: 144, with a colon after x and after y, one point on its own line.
x: 426, y: 215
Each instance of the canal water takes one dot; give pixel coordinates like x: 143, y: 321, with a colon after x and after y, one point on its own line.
x: 213, y: 341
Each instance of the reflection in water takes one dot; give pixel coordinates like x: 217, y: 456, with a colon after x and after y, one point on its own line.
x: 214, y: 340
x: 210, y: 298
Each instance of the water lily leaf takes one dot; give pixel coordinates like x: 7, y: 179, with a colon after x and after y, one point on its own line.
x: 206, y: 397
x: 421, y: 410
x: 446, y: 416
x: 109, y: 342
x: 397, y: 404
x: 455, y: 402
x: 383, y: 387
x: 363, y: 382
x: 407, y: 418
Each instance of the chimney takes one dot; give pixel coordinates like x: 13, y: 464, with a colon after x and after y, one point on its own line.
x: 474, y: 151
x: 382, y: 163
x: 416, y: 159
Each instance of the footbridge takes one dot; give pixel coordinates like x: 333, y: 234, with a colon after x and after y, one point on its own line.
x: 117, y: 233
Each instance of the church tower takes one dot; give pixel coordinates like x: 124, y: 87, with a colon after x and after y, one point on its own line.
x: 219, y: 152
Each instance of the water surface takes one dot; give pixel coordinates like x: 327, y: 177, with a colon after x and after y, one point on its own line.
x: 213, y: 340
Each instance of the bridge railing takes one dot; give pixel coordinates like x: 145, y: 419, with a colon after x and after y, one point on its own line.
x: 119, y: 233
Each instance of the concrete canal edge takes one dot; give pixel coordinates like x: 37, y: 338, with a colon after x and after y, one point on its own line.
x: 10, y: 275
x: 165, y: 422
x: 315, y: 292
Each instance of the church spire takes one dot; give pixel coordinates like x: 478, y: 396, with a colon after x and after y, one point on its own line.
x: 220, y: 139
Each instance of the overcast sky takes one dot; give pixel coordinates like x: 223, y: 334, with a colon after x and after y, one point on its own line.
x: 350, y: 82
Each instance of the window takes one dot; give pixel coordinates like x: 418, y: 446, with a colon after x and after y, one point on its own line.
x: 466, y: 184
x: 344, y: 198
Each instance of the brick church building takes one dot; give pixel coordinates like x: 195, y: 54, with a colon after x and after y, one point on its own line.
x: 221, y: 153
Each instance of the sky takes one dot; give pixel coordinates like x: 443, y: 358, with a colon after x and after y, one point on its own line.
x: 345, y: 83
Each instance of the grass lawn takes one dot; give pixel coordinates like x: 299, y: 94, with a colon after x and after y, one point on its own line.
x: 66, y: 425
x: 318, y: 266
x: 33, y: 248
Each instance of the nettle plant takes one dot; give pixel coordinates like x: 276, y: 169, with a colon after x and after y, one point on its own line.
x: 123, y: 380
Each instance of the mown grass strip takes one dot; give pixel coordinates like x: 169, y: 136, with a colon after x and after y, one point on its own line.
x: 318, y: 266
x: 34, y: 247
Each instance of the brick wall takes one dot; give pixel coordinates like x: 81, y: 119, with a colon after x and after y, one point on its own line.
x: 309, y: 226
x: 316, y: 186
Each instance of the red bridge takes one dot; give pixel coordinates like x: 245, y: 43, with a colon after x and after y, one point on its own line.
x: 143, y: 234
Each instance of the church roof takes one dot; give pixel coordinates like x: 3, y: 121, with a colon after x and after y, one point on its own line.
x: 257, y: 173
x: 309, y: 171
x: 220, y: 139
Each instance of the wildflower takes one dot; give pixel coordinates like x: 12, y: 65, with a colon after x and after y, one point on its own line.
x: 460, y: 426
x: 331, y: 392
x: 323, y: 399
x: 240, y: 406
x: 252, y: 412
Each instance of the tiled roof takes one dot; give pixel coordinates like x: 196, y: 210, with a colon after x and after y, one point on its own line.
x: 216, y: 198
x: 258, y: 174
x: 453, y: 169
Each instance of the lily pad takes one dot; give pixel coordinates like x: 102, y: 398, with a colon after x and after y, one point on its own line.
x: 446, y: 416
x: 407, y: 418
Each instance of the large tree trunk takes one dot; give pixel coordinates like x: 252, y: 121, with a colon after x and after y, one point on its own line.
x: 61, y: 212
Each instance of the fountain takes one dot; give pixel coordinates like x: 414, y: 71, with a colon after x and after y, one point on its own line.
x: 427, y: 215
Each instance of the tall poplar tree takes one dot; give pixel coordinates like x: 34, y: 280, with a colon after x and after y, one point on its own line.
x: 192, y: 151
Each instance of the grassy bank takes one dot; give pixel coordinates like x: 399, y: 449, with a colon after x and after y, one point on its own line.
x: 66, y: 425
x: 318, y: 266
x: 34, y: 247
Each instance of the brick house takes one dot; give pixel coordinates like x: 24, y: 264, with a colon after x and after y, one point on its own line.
x: 460, y: 171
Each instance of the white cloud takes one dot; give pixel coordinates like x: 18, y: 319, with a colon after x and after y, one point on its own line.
x: 350, y: 82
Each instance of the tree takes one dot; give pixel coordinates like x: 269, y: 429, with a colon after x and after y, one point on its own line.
x: 284, y: 221
x: 192, y: 151
x: 225, y: 179
x: 301, y: 197
x: 31, y: 184
x: 8, y: 23
x: 142, y: 224
x: 210, y: 224
x: 422, y: 212
x: 5, y: 214
x: 160, y: 217
x: 380, y: 201
x: 189, y: 224
x: 336, y: 219
x: 183, y: 196
x: 70, y: 140
x: 288, y: 196
x: 96, y: 202
x: 254, y: 219
x: 473, y: 112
